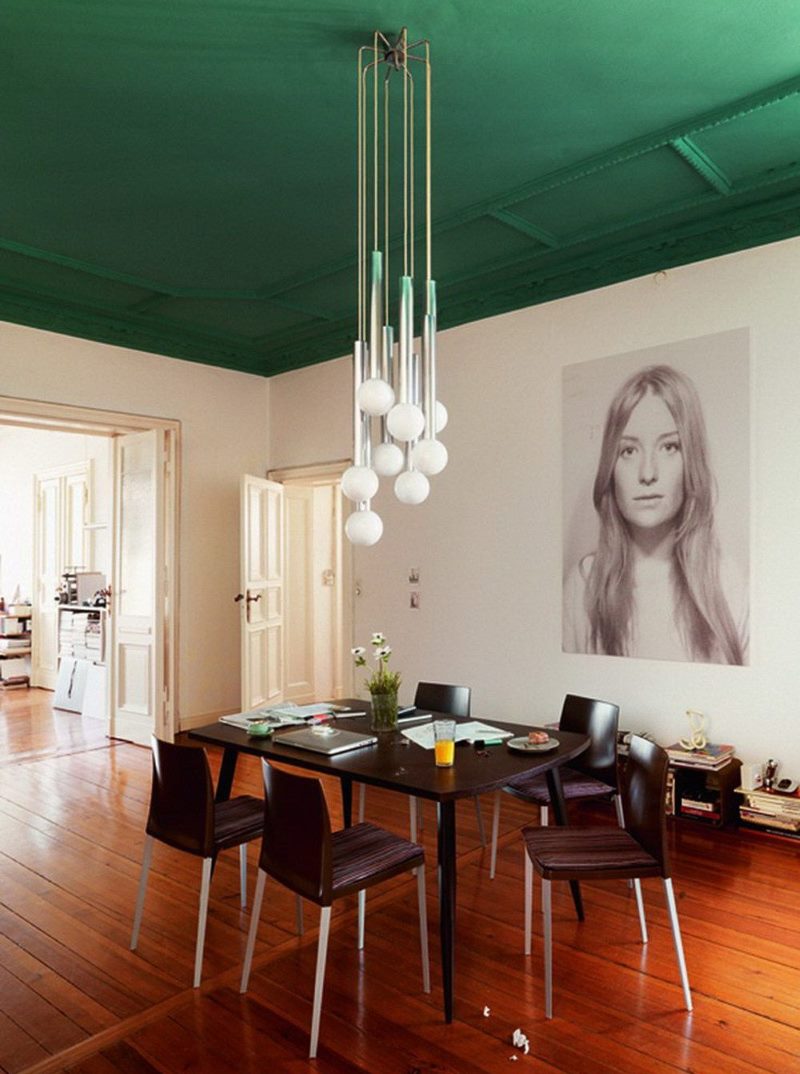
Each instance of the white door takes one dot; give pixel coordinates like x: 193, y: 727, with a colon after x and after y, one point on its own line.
x: 139, y: 706
x: 299, y: 677
x: 261, y: 594
x: 62, y: 509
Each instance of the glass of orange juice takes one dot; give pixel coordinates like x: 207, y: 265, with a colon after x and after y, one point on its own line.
x: 444, y: 737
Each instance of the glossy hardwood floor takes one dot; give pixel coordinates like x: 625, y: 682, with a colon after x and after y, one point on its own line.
x: 73, y: 997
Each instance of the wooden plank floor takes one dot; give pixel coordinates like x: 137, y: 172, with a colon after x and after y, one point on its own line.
x: 73, y: 997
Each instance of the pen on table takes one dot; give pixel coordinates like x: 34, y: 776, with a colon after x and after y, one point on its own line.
x: 347, y: 715
x: 479, y: 743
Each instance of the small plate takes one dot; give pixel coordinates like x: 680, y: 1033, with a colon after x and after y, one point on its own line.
x: 522, y: 745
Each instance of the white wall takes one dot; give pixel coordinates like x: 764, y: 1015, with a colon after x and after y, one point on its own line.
x: 488, y: 543
x: 223, y: 419
x: 23, y: 453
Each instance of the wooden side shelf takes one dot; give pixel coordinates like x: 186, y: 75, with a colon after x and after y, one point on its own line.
x: 705, y: 795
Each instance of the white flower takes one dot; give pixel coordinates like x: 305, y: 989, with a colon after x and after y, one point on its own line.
x: 384, y: 652
x: 378, y: 639
x: 358, y: 651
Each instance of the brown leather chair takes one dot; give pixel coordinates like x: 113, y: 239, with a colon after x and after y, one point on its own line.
x: 300, y: 851
x: 591, y: 775
x: 605, y: 853
x: 183, y: 815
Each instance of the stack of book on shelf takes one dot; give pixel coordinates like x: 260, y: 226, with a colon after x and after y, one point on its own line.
x: 700, y: 782
x: 9, y: 644
x: 709, y: 758
x: 771, y: 811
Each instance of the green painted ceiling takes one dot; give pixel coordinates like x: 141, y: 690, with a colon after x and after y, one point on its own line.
x: 178, y: 175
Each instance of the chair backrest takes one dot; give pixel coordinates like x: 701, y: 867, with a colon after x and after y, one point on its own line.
x: 643, y: 798
x: 181, y: 798
x: 599, y: 720
x: 296, y: 849
x: 441, y: 697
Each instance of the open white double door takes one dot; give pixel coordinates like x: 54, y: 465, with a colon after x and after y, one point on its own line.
x: 293, y: 579
x: 141, y: 621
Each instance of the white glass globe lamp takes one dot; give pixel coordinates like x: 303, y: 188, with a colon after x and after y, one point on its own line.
x: 430, y: 456
x: 387, y: 460
x: 363, y: 527
x: 359, y: 483
x: 412, y: 487
x: 441, y: 416
x: 405, y: 421
x: 376, y: 397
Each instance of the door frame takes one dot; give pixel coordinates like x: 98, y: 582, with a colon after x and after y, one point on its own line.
x: 330, y: 473
x: 64, y: 417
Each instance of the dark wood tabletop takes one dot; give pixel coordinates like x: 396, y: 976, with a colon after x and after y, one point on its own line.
x: 399, y: 764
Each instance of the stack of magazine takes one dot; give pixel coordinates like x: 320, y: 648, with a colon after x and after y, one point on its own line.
x: 710, y: 757
x: 283, y: 715
x: 771, y: 811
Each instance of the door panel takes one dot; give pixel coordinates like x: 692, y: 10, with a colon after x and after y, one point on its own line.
x: 60, y: 544
x: 138, y: 591
x: 299, y: 685
x: 262, y: 572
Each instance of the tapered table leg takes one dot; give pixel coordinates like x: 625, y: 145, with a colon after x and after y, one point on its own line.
x: 226, y: 773
x: 347, y: 800
x: 447, y: 900
x: 560, y: 811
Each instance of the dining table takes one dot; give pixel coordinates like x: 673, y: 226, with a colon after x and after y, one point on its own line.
x: 396, y: 763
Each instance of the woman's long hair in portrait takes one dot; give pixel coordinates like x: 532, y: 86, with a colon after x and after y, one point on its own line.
x: 702, y: 611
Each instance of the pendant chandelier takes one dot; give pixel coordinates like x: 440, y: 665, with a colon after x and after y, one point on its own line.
x: 396, y: 414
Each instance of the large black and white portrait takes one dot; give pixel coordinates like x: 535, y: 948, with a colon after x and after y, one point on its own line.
x: 656, y: 479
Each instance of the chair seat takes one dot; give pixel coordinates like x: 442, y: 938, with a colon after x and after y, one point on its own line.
x: 364, y: 855
x: 574, y: 785
x: 604, y: 852
x: 237, y: 821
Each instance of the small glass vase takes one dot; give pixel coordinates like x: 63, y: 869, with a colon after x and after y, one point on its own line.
x: 384, y: 711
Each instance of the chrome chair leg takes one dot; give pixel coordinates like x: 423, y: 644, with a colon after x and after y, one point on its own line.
x: 362, y: 913
x: 319, y: 979
x: 255, y: 913
x: 205, y: 885
x: 677, y: 941
x: 423, y: 929
x: 479, y: 818
x: 243, y: 874
x: 495, y: 834
x: 637, y: 887
x: 412, y: 818
x: 528, y: 901
x: 147, y: 857
x: 547, y: 907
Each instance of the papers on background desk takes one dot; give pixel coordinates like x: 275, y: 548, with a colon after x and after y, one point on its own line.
x: 465, y: 732
x: 279, y: 715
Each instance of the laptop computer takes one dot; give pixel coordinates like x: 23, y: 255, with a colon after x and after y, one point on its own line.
x: 325, y: 739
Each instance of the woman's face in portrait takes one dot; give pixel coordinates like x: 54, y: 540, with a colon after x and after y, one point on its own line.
x: 648, y: 472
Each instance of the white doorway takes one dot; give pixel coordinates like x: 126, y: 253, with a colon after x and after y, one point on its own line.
x: 141, y: 529
x: 295, y: 519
